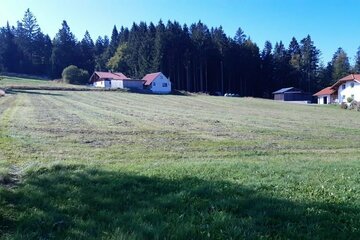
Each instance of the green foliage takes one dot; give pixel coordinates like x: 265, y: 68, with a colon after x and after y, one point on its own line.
x: 350, y: 99
x: 344, y: 105
x: 74, y: 75
x: 65, y: 50
x: 118, y: 63
x: 340, y: 65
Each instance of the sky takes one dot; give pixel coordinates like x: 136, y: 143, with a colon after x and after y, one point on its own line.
x: 331, y: 24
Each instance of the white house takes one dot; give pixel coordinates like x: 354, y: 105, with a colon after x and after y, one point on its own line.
x: 114, y: 80
x: 157, y: 83
x: 348, y: 86
x: 327, y: 96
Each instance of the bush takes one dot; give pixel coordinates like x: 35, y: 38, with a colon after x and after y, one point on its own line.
x: 350, y: 99
x: 353, y: 105
x: 74, y: 75
x: 343, y: 105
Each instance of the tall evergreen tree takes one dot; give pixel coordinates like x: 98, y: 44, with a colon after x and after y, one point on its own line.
x: 340, y: 65
x: 357, y: 61
x: 65, y: 50
x: 9, y: 52
x: 87, y: 53
x: 309, y: 63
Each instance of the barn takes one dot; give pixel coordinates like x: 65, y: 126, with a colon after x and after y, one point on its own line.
x: 292, y: 94
x: 114, y: 80
x: 157, y: 83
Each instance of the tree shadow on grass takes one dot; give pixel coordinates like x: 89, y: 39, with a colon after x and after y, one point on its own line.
x: 76, y: 202
x: 32, y: 92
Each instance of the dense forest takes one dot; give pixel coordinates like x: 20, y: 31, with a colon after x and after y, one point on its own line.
x: 195, y: 57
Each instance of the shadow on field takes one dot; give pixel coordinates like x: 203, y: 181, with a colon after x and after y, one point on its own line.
x: 32, y: 92
x: 81, y: 203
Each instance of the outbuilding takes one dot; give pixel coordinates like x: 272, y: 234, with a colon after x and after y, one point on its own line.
x: 327, y: 96
x: 292, y: 94
x: 114, y: 81
x: 157, y: 83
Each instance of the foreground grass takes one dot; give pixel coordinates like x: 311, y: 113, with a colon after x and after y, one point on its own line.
x: 117, y: 165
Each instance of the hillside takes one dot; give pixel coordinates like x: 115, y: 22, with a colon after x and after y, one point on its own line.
x: 118, y: 165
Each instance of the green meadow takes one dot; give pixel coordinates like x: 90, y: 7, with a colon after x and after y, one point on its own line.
x: 117, y: 165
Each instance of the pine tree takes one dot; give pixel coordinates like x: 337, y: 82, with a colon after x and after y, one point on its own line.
x: 65, y: 50
x: 9, y: 52
x: 240, y: 36
x: 340, y: 65
x: 267, y: 70
x: 87, y: 53
x: 357, y: 61
x: 309, y: 63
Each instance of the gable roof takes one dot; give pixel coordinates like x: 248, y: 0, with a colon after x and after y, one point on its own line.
x: 115, y: 76
x: 289, y: 89
x: 149, y: 78
x: 351, y: 77
x: 325, y: 91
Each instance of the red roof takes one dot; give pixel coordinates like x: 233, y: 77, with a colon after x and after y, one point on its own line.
x: 325, y: 91
x: 351, y: 77
x: 149, y: 78
x: 115, y: 76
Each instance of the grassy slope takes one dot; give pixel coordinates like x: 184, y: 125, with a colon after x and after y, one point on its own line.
x: 117, y: 165
x: 6, y: 81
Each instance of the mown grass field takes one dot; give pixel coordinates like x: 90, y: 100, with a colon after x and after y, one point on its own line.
x: 113, y: 165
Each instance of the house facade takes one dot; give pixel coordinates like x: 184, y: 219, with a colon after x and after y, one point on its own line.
x: 346, y: 87
x: 327, y: 96
x: 157, y: 83
x: 114, y: 81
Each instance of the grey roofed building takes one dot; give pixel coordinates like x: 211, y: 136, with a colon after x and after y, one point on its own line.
x: 292, y: 94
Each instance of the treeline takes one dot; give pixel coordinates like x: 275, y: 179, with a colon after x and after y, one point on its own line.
x: 196, y: 58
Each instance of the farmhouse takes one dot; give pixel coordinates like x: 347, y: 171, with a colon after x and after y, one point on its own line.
x: 157, y: 83
x: 114, y: 80
x: 292, y: 94
x: 348, y: 87
x: 327, y: 96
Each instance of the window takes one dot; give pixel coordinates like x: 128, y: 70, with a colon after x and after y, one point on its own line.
x: 154, y: 84
x: 164, y: 84
x: 343, y: 97
x: 352, y: 84
x: 343, y: 86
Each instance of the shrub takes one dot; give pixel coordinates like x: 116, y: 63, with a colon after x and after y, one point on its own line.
x: 74, y: 75
x: 353, y: 105
x: 343, y: 105
x: 350, y: 99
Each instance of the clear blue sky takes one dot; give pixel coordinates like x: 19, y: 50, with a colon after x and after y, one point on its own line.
x: 330, y: 23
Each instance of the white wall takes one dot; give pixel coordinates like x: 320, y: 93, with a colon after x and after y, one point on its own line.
x: 99, y: 84
x: 343, y: 94
x: 116, y: 83
x: 157, y: 84
x: 321, y: 99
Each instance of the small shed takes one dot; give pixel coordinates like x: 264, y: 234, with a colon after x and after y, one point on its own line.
x: 292, y: 94
x: 114, y: 80
x: 327, y: 96
x: 157, y: 83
